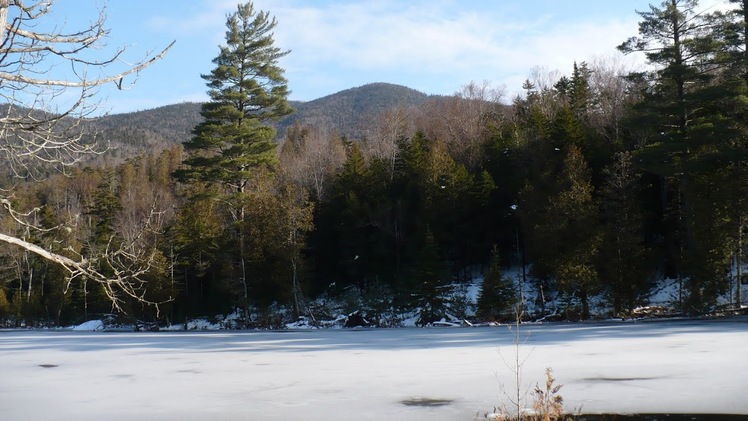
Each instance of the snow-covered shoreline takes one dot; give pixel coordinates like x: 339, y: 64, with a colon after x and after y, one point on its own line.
x: 689, y: 366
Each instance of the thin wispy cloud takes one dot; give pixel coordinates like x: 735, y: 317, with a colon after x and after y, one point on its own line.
x: 429, y: 40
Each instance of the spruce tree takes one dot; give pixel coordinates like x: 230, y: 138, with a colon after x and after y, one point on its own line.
x: 559, y: 214
x: 247, y: 91
x: 692, y: 115
x: 626, y: 260
x: 428, y: 282
x: 497, y: 294
x: 741, y: 61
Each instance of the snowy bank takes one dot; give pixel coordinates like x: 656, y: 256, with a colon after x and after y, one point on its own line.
x: 91, y: 325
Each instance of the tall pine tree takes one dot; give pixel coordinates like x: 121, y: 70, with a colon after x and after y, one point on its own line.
x: 681, y: 119
x: 247, y: 90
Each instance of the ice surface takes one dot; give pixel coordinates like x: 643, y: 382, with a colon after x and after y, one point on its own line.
x: 674, y: 366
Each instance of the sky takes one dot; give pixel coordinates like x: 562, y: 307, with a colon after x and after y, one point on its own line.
x: 433, y: 46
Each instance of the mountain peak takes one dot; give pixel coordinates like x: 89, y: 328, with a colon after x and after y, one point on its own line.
x: 346, y: 112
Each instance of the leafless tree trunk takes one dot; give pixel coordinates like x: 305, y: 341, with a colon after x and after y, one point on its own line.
x: 4, y: 4
x: 610, y: 89
x: 463, y: 120
x: 386, y: 131
x: 310, y: 157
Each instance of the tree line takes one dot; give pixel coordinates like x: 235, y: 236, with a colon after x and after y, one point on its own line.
x: 595, y: 183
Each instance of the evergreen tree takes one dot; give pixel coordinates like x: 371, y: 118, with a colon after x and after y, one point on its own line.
x: 580, y: 98
x: 428, y: 281
x: 561, y: 217
x: 711, y: 245
x: 450, y: 196
x: 497, y: 294
x: 578, y: 230
x: 692, y: 114
x: 103, y: 238
x: 247, y: 92
x: 105, y: 206
x: 734, y: 33
x: 408, y: 195
x: 196, y: 237
x: 676, y: 39
x: 354, y: 198
x: 567, y: 128
x: 355, y: 241
x: 626, y: 261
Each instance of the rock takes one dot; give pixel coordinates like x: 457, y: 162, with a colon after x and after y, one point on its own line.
x: 356, y: 319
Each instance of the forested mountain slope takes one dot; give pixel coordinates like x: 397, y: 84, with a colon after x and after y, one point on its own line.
x: 347, y: 111
x: 131, y: 134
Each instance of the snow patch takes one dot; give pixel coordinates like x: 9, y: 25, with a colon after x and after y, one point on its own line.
x: 90, y: 326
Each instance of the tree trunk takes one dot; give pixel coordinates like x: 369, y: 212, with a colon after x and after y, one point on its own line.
x: 739, y: 251
x: 297, y: 297
x: 30, y: 272
x: 680, y: 83
x: 739, y: 264
x: 745, y: 40
x: 585, y: 304
x: 4, y: 4
x: 85, y: 299
x: 240, y: 218
x: 243, y: 263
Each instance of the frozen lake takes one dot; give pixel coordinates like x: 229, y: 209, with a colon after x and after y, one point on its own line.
x: 675, y: 367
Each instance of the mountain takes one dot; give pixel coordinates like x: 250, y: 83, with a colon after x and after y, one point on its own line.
x: 171, y: 123
x: 131, y: 134
x: 346, y: 111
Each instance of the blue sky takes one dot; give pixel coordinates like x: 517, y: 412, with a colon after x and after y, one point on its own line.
x: 434, y: 46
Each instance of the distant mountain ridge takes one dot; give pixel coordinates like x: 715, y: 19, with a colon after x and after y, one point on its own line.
x: 131, y: 134
x: 346, y: 111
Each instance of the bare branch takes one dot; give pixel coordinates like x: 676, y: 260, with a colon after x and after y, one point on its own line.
x: 42, y: 128
x: 66, y: 262
x: 85, y: 83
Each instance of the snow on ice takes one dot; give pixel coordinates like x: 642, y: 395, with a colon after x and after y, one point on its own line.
x: 90, y: 325
x: 686, y: 366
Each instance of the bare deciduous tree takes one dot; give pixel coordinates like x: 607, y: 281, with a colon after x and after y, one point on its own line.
x: 464, y: 119
x: 384, y: 133
x: 311, y: 156
x: 610, y: 88
x: 543, y: 79
x: 41, y: 116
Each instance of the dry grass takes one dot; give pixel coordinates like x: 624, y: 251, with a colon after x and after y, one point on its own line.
x: 547, y: 403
